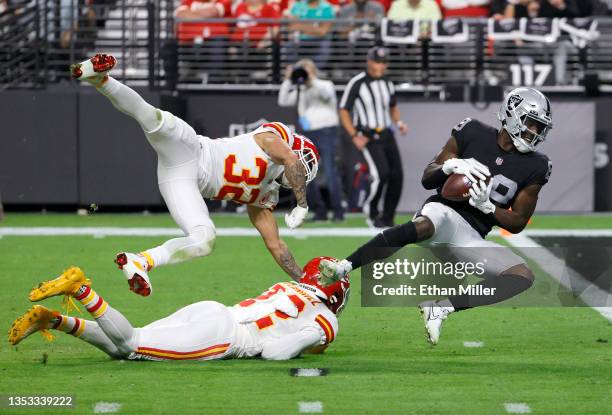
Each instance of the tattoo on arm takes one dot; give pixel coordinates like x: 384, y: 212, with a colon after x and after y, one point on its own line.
x: 296, y: 175
x: 287, y: 263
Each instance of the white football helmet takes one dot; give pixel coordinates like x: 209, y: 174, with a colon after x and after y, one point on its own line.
x: 525, y: 114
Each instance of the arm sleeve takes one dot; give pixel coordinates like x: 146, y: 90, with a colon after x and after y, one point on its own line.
x: 326, y: 91
x: 291, y: 345
x: 392, y: 97
x: 287, y: 95
x: 460, y: 132
x: 350, y: 94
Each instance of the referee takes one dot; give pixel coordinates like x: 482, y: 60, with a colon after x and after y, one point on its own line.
x: 367, y: 110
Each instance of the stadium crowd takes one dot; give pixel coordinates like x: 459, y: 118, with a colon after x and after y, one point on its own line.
x: 247, y: 12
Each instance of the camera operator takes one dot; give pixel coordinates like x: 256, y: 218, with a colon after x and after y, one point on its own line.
x: 368, y: 109
x: 318, y: 118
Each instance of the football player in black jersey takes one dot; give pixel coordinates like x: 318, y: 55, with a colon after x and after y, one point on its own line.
x: 516, y: 173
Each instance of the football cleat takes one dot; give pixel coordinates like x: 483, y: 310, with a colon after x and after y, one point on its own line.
x: 433, y: 317
x: 66, y: 284
x: 334, y: 270
x: 35, y: 319
x: 135, y: 268
x: 94, y: 70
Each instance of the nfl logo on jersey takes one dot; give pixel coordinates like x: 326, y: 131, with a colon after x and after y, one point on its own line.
x: 499, y: 161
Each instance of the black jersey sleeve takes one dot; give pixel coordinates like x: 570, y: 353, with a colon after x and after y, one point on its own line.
x: 542, y: 172
x: 462, y: 133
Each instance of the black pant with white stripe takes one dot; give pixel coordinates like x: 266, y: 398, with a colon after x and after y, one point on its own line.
x: 385, y: 164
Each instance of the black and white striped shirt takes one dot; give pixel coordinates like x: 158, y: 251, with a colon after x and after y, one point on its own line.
x: 369, y: 101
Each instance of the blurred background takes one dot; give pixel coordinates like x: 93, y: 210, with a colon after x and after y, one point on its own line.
x: 219, y: 66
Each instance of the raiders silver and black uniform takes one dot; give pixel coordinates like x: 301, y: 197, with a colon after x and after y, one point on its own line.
x: 510, y: 171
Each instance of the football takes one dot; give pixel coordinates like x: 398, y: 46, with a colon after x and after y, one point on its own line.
x: 457, y: 188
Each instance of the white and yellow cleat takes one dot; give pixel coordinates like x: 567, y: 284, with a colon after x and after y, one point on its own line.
x: 94, y: 70
x: 66, y: 284
x: 433, y: 316
x: 35, y: 319
x: 135, y: 267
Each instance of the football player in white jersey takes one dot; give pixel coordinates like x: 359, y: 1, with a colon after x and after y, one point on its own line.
x: 283, y: 322
x: 248, y: 169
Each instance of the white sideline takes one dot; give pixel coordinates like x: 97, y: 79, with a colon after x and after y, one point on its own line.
x: 298, y: 233
x: 556, y: 268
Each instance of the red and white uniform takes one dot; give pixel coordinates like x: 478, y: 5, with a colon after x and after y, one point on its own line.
x: 254, y: 327
x: 236, y: 168
x: 277, y: 336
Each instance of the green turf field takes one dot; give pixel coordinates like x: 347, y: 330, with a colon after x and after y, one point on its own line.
x: 557, y: 361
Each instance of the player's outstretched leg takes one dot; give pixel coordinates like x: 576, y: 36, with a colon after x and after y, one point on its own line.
x: 42, y: 319
x: 74, y: 284
x: 381, y: 246
x: 178, y: 149
x: 125, y: 99
x: 503, y: 286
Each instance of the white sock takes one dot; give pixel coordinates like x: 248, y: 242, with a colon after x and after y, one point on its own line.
x: 159, y: 254
x: 128, y: 101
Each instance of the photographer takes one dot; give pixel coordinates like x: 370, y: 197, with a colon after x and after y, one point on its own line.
x: 318, y: 118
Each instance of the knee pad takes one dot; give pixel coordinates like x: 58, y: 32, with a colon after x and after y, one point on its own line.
x: 203, y: 238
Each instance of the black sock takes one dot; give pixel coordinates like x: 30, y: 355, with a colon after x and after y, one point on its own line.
x: 506, y: 286
x: 384, y: 244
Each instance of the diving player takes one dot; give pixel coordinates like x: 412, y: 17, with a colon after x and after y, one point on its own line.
x: 280, y: 324
x: 247, y: 169
x: 517, y: 173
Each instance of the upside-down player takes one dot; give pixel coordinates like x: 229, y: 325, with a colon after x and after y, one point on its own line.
x: 248, y: 169
x: 280, y: 324
x: 517, y: 173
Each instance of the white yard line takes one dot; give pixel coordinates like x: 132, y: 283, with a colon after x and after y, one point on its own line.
x: 310, y: 407
x: 310, y: 372
x: 106, y: 407
x: 249, y: 231
x: 473, y: 344
x: 517, y: 408
x: 592, y: 295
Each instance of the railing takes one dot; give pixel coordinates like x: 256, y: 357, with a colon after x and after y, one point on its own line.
x: 39, y: 43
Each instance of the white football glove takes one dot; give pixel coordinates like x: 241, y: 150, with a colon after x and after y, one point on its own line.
x: 296, y: 217
x: 479, y: 197
x: 471, y: 168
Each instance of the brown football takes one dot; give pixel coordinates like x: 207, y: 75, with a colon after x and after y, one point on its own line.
x: 457, y: 188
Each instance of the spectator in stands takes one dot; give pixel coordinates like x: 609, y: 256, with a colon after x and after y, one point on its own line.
x: 248, y: 29
x: 497, y: 9
x: 370, y: 10
x: 312, y: 36
x: 318, y: 118
x: 592, y: 8
x: 252, y: 38
x: 464, y: 8
x: 208, y: 39
x: 541, y: 8
x: 414, y: 9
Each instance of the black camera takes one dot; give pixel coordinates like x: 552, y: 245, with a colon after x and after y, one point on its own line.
x: 299, y: 76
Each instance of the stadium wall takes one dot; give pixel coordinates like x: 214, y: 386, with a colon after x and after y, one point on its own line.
x: 71, y: 147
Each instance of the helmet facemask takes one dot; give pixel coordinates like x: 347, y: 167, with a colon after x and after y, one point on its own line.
x: 525, y: 115
x: 307, y: 155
